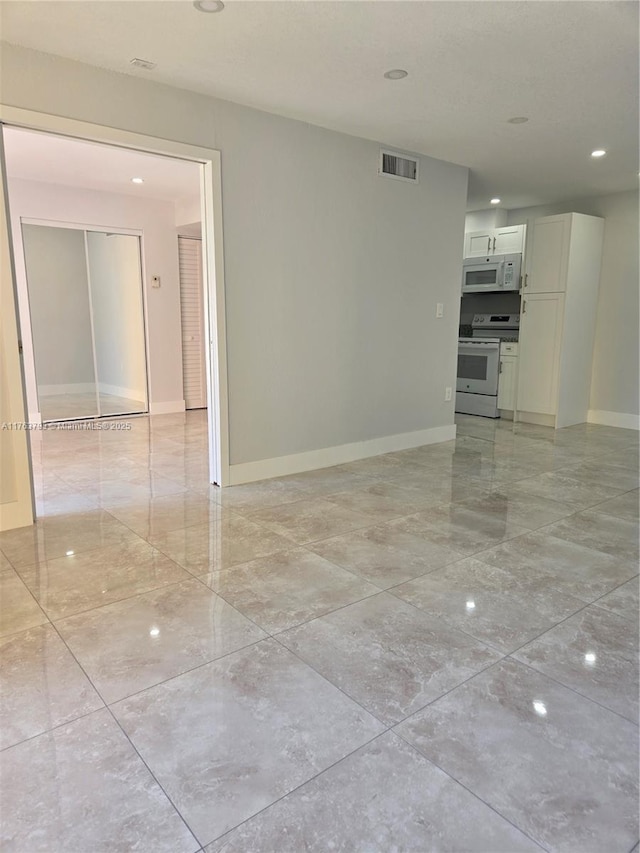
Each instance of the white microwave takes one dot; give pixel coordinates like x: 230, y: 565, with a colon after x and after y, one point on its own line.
x: 488, y: 275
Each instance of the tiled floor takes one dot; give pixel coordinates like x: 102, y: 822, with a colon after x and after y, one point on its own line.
x: 434, y: 650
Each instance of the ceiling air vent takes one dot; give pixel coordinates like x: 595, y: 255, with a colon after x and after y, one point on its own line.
x: 142, y: 63
x: 398, y: 166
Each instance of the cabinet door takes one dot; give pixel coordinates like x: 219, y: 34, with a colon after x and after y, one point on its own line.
x: 539, y: 352
x: 478, y: 244
x: 506, y: 382
x: 507, y: 241
x: 547, y: 255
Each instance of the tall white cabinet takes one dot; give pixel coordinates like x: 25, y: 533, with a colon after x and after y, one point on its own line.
x: 558, y: 318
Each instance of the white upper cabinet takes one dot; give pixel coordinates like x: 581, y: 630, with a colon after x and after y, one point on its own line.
x: 547, y: 254
x: 478, y: 244
x: 509, y: 240
x: 494, y: 241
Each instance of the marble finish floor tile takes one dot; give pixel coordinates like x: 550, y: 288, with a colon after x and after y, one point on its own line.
x: 387, y: 655
x: 595, y: 653
x: 500, y: 608
x: 228, y: 739
x: 384, y: 556
x: 511, y: 507
x: 441, y: 486
x: 133, y: 644
x: 381, y: 501
x: 602, y: 472
x: 384, y: 466
x: 18, y: 608
x: 523, y: 542
x: 287, y: 588
x: 538, y: 754
x: 464, y: 530
x: 625, y: 506
x: 327, y: 481
x: 384, y: 797
x: 83, y: 787
x: 541, y: 559
x: 560, y: 487
x: 172, y: 512
x: 624, y: 601
x: 254, y: 496
x: 215, y: 547
x: 42, y: 685
x: 310, y: 520
x: 91, y: 579
x: 144, y: 487
x: 601, y: 532
x: 54, y: 536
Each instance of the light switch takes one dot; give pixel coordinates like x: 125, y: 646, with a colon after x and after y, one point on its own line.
x: 155, y: 281
x: 439, y: 309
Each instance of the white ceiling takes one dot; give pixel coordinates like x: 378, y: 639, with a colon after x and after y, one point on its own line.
x: 571, y: 67
x: 59, y: 160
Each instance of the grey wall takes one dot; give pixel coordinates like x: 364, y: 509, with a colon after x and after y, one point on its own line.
x: 332, y: 273
x: 59, y: 299
x: 614, y: 384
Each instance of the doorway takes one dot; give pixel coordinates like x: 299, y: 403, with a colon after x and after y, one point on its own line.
x: 87, y: 324
x: 209, y: 207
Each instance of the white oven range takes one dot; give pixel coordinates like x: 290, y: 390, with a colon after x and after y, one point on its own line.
x: 479, y: 363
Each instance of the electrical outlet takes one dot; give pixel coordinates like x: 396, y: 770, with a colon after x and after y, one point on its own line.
x: 447, y: 394
x: 439, y: 309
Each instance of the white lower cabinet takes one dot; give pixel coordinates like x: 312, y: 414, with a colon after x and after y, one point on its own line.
x: 539, y: 356
x: 507, y: 378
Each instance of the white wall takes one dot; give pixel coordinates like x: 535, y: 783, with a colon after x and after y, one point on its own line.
x: 110, y: 211
x: 477, y: 220
x: 118, y: 322
x: 332, y: 273
x: 614, y: 383
x: 56, y: 264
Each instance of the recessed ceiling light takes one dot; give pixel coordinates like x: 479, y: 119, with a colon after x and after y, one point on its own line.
x: 209, y: 5
x: 496, y: 200
x: 599, y: 152
x: 396, y: 74
x: 518, y: 120
x: 137, y: 180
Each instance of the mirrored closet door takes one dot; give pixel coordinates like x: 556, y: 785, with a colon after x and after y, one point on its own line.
x: 87, y: 322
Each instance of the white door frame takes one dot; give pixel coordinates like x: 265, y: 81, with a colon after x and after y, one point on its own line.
x: 212, y: 252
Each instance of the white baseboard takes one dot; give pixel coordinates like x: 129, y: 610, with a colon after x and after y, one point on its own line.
x: 614, y: 419
x: 280, y: 466
x: 536, y: 418
x: 169, y: 408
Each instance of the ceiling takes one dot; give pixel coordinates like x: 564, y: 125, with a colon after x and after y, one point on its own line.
x: 59, y: 160
x: 570, y: 66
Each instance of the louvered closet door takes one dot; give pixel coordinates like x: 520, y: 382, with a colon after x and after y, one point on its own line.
x: 193, y: 364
